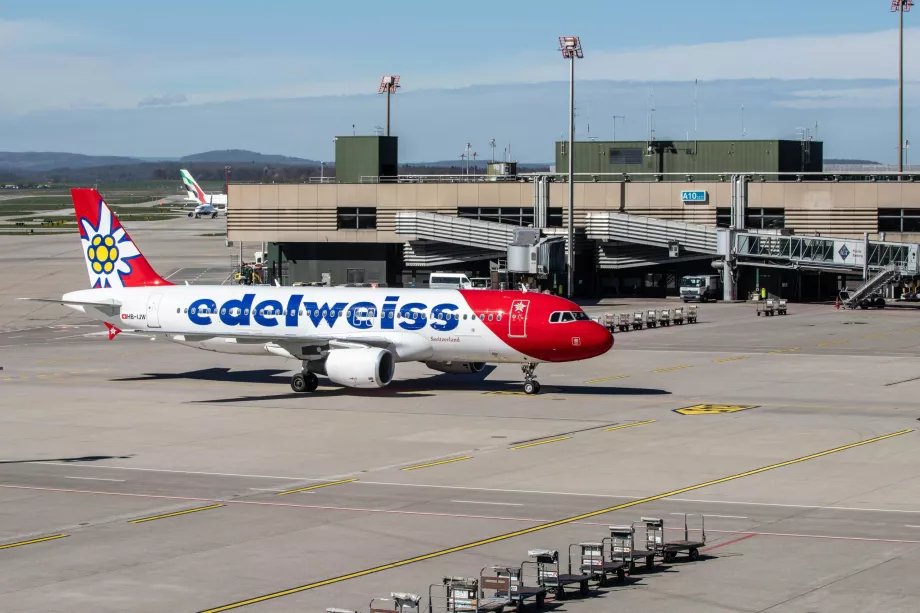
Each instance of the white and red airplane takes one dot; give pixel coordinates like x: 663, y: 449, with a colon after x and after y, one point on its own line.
x: 353, y: 336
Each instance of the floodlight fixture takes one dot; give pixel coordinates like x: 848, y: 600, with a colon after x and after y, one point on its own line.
x: 570, y: 47
x: 896, y: 5
x: 388, y: 85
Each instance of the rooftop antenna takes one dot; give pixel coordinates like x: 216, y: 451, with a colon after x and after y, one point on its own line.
x: 353, y: 133
x: 377, y: 130
x: 492, y: 145
x: 388, y: 85
x: 696, y: 108
x: 615, y: 117
x: 743, y: 131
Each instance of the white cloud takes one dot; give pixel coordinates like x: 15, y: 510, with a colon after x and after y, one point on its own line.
x: 48, y: 66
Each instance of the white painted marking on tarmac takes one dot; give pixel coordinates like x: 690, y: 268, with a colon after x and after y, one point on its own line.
x: 430, y: 514
x: 500, y: 504
x: 912, y: 526
x: 719, y: 516
x: 96, y: 479
x: 484, y: 489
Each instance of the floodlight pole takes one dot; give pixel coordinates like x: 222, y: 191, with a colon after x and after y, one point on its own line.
x: 570, y: 286
x: 901, y: 90
x: 389, y: 91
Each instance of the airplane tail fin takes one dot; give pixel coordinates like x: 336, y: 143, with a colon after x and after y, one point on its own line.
x: 191, y: 186
x: 112, y: 259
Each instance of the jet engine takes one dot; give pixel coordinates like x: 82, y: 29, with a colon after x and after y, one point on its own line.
x: 360, y: 367
x: 457, y: 368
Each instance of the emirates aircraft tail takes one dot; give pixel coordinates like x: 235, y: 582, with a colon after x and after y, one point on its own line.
x: 112, y: 259
x: 191, y: 186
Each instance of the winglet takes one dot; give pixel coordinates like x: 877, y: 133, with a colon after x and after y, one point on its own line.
x: 113, y: 330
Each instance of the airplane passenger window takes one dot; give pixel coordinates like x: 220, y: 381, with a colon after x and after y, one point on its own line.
x: 292, y: 312
x: 301, y: 312
x: 246, y: 312
x: 490, y: 316
x: 464, y: 316
x: 316, y: 313
x: 482, y: 317
x: 222, y: 311
x: 324, y: 313
x: 193, y: 310
x: 185, y: 310
x: 178, y: 310
x: 554, y: 318
x: 498, y: 317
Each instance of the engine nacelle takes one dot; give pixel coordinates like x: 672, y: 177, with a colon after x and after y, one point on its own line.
x: 367, y: 367
x: 457, y: 368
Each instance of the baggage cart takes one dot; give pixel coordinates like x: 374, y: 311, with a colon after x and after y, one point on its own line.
x: 669, y: 550
x: 623, y: 322
x: 507, y: 586
x: 398, y: 602
x: 651, y: 318
x: 679, y: 316
x: 781, y: 306
x: 593, y: 562
x: 623, y: 550
x: 767, y: 308
x: 693, y: 312
x: 664, y: 318
x: 550, y: 575
x: 638, y: 320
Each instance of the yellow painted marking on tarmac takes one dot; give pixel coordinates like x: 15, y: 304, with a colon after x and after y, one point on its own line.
x: 829, y: 343
x: 165, y: 515
x: 740, y: 357
x: 316, y: 487
x: 538, y: 528
x: 53, y: 537
x: 416, y: 467
x: 673, y: 368
x: 608, y: 379
x: 543, y: 442
x: 638, y: 423
x: 713, y: 409
x: 786, y: 350
x: 913, y: 330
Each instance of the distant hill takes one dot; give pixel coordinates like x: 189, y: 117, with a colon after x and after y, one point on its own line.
x: 848, y: 161
x: 41, y: 161
x: 242, y: 156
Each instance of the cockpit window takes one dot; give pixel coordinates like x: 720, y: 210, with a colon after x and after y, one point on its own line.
x: 568, y: 316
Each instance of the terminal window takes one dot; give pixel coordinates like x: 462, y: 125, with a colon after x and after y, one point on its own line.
x: 626, y: 157
x: 765, y: 219
x: 899, y: 220
x: 515, y: 216
x: 723, y: 217
x: 356, y: 218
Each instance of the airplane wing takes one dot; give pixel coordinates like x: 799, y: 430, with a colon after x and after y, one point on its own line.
x: 109, y: 307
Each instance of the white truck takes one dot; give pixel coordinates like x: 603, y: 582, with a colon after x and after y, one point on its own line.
x: 700, y: 287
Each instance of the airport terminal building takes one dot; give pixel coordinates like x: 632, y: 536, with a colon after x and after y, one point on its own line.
x: 645, y: 214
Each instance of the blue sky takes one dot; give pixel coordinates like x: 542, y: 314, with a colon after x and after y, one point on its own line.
x: 68, y: 63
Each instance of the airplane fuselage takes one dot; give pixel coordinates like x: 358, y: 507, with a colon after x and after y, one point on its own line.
x: 415, y: 324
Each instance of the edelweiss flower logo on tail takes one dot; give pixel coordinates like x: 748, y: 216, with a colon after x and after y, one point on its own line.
x: 108, y: 249
x: 112, y: 259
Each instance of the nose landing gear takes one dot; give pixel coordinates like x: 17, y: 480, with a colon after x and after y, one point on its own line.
x: 531, y: 385
x: 304, y: 382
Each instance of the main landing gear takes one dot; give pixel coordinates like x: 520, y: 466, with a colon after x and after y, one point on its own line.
x: 304, y: 382
x: 531, y: 385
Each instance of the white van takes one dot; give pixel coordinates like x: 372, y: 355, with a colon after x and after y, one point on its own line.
x: 449, y: 280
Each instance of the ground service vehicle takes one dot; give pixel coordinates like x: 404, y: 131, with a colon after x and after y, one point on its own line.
x: 449, y: 280
x: 700, y: 287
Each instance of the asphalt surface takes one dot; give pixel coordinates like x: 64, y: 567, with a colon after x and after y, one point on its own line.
x: 163, y: 478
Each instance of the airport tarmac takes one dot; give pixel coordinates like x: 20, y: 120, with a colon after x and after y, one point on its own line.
x: 147, y: 476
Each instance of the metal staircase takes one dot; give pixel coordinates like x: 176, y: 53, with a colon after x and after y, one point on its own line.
x: 882, y: 277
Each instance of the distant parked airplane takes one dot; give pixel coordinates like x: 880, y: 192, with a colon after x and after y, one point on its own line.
x: 197, y: 194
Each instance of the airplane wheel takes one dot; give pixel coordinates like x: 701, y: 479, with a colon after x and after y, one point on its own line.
x: 190, y: 214
x: 311, y: 381
x: 531, y: 388
x: 299, y: 383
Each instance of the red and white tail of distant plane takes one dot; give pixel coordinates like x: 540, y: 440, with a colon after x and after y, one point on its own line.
x: 352, y: 336
x: 196, y: 194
